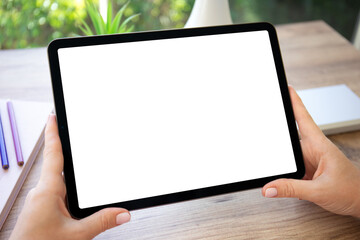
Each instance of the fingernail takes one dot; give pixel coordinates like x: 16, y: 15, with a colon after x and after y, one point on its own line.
x: 271, y: 192
x: 122, y: 218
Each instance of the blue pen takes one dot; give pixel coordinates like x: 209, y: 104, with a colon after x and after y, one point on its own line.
x: 3, y: 153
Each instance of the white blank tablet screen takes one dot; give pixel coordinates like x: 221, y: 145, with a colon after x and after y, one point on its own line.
x: 164, y: 116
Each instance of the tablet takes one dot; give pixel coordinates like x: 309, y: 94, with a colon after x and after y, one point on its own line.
x: 153, y: 118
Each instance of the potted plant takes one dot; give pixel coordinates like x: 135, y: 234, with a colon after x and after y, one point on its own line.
x: 110, y: 25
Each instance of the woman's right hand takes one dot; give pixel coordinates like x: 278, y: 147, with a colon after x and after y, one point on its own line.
x: 331, y: 180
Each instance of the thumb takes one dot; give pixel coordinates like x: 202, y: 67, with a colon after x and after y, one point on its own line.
x: 290, y: 188
x: 103, y: 220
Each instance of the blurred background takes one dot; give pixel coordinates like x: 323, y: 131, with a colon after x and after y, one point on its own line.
x: 34, y: 23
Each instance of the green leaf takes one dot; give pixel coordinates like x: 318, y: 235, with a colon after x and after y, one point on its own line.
x: 116, y: 22
x: 109, y: 16
x: 87, y: 33
x: 86, y: 29
x: 92, y: 11
x: 123, y: 25
x: 122, y: 9
x: 117, y: 19
x: 115, y: 25
x: 130, y: 29
x: 101, y: 24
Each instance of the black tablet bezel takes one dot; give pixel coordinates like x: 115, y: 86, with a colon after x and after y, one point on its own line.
x: 156, y: 35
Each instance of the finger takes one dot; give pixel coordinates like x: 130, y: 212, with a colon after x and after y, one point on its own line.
x: 53, y: 158
x: 102, y: 221
x: 307, y: 126
x: 290, y: 188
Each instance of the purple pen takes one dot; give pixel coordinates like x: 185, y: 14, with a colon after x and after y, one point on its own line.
x: 15, y: 133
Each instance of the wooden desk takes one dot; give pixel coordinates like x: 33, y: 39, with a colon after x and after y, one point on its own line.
x: 314, y: 55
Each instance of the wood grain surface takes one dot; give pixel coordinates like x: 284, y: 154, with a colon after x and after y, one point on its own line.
x: 314, y: 55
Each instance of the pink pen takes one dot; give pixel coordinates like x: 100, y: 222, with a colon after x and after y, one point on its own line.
x: 15, y: 133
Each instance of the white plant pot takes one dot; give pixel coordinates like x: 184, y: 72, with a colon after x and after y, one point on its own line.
x: 209, y: 13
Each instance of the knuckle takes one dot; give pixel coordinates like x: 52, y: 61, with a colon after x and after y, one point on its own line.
x: 289, y: 190
x: 105, y: 222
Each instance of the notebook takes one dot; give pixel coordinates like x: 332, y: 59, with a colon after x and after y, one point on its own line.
x: 335, y: 109
x: 31, y: 119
